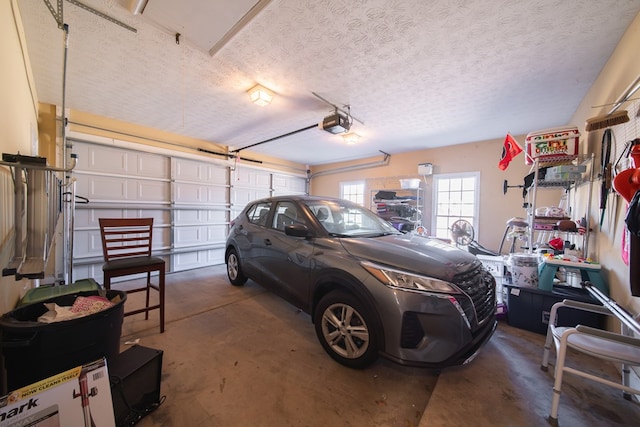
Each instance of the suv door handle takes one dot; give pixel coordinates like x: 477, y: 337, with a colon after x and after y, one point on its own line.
x: 267, y: 242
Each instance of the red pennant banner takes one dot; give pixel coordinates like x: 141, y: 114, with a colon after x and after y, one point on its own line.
x: 510, y: 150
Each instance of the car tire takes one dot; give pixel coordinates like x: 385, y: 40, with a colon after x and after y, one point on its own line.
x: 345, y: 328
x: 234, y: 269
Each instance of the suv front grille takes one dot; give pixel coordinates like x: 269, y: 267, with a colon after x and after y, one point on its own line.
x: 480, y: 286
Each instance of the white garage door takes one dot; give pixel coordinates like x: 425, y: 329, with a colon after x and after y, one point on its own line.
x: 190, y: 199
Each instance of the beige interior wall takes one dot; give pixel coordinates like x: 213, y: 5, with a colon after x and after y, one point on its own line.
x: 495, y: 206
x: 622, y: 68
x: 18, y: 121
x: 47, y: 134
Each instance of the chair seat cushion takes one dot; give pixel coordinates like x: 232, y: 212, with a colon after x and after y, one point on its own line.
x: 599, y: 347
x: 132, y: 262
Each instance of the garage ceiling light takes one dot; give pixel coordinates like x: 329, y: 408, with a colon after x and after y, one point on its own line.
x: 260, y: 95
x: 351, y: 138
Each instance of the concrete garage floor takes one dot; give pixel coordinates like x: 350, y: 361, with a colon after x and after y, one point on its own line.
x: 241, y: 356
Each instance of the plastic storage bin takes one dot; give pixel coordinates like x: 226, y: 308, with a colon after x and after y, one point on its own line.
x: 32, y: 350
x: 524, y: 269
x: 529, y: 308
x: 43, y: 293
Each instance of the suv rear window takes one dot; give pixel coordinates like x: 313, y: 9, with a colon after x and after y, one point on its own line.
x: 258, y: 214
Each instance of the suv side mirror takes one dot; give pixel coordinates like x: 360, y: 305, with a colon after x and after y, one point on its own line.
x: 297, y: 230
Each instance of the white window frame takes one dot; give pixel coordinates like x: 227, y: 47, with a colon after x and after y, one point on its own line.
x: 474, y: 220
x: 357, y: 196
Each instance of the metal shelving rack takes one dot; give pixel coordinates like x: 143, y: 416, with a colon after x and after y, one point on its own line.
x: 404, y: 196
x: 587, y: 179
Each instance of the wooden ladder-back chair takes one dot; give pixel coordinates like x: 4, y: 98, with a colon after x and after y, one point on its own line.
x: 126, y: 247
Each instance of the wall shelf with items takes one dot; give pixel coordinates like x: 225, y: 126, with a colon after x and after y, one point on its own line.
x: 569, y: 172
x: 402, y: 207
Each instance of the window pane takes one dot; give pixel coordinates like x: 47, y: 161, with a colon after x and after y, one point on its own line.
x: 353, y: 192
x: 455, y: 198
x: 469, y: 184
x: 467, y: 197
x: 467, y: 211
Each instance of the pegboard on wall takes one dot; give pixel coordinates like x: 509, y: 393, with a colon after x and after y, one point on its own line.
x: 621, y: 136
x: 624, y: 133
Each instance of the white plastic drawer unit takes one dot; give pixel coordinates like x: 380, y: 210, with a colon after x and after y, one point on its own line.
x: 495, y: 265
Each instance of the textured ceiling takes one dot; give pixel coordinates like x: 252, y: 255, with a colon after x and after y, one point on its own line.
x: 418, y: 74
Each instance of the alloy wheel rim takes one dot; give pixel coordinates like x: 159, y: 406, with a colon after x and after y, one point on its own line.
x: 232, y: 267
x: 345, y: 331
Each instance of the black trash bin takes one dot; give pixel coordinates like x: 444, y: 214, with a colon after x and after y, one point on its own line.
x: 32, y: 351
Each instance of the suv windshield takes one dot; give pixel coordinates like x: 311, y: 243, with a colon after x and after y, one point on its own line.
x: 349, y: 219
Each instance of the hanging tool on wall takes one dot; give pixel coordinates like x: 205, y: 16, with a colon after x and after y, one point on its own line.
x: 605, y: 171
x: 614, y: 117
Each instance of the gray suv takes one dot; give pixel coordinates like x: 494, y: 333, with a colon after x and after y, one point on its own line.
x: 369, y: 289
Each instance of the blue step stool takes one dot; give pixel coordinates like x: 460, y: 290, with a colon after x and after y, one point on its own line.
x: 588, y: 272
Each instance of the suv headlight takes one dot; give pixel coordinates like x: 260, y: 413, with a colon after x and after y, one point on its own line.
x: 405, y: 280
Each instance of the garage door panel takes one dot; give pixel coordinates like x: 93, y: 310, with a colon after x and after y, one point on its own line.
x: 90, y: 217
x: 199, y: 216
x: 199, y: 193
x: 113, y: 189
x: 83, y: 218
x: 217, y: 216
x: 87, y: 244
x: 216, y: 233
x: 217, y: 195
x: 195, y: 235
x: 195, y: 171
x: 102, y: 188
x: 89, y: 271
x: 246, y: 195
x: 187, y: 260
x: 96, y: 158
x: 215, y: 256
x: 189, y: 236
x: 152, y: 166
x: 188, y: 216
x: 198, y: 259
x: 152, y: 191
x: 283, y: 184
x: 247, y: 177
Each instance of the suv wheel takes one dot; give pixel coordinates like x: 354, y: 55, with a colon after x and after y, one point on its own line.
x: 345, y: 329
x: 234, y: 270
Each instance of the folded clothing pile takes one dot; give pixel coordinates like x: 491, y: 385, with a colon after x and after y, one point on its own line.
x: 82, y: 306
